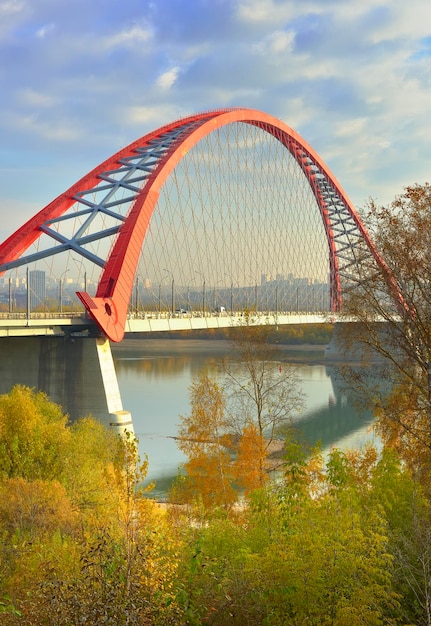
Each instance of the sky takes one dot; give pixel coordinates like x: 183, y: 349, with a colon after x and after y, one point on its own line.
x: 81, y: 79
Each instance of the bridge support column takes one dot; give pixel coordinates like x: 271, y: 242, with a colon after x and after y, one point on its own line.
x: 119, y: 419
x: 76, y: 372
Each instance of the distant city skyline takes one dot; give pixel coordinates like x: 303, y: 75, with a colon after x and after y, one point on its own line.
x: 287, y: 293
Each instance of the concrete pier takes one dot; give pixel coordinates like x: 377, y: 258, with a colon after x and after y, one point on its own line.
x: 76, y: 372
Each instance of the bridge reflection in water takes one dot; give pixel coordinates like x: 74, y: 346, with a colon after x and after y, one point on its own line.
x: 341, y: 420
x: 154, y: 378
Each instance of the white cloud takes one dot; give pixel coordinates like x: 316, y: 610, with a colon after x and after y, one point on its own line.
x: 265, y: 11
x: 276, y: 43
x: 9, y: 7
x: 12, y: 13
x: 351, y: 127
x: 33, y: 98
x: 35, y: 127
x: 354, y: 78
x: 129, y: 37
x: 167, y: 79
x: 45, y: 30
x: 148, y: 117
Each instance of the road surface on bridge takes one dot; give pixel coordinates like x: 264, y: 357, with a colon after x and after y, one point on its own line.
x: 39, y: 324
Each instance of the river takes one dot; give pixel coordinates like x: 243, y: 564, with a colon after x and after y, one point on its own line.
x: 154, y: 377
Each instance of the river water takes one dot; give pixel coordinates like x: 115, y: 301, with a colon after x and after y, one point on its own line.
x: 154, y: 377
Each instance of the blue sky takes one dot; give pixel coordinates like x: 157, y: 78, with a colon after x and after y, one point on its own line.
x: 81, y: 79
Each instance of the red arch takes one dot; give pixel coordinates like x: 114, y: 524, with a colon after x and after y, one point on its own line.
x: 110, y: 305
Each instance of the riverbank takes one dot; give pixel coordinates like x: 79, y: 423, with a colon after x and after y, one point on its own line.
x: 295, y: 353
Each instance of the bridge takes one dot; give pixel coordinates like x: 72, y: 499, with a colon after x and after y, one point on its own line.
x: 187, y: 227
x: 42, y: 324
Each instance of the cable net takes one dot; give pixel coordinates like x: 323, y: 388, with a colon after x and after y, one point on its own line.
x: 236, y: 225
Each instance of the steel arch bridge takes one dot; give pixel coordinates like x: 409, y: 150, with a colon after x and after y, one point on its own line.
x: 223, y: 195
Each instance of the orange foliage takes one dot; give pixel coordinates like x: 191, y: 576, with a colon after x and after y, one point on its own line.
x: 34, y: 506
x: 250, y: 460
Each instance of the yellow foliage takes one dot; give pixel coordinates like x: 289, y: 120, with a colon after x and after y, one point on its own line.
x: 35, y: 506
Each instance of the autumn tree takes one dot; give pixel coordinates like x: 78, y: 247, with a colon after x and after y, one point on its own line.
x: 79, y: 542
x: 33, y: 435
x: 263, y: 394
x: 391, y: 303
x: 297, y: 557
x: 204, y: 438
x: 229, y: 433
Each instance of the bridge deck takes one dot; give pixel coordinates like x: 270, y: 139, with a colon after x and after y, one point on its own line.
x: 37, y: 324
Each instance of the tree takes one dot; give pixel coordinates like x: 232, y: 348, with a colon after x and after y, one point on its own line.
x: 91, y: 459
x: 229, y: 433
x: 204, y: 439
x: 33, y: 435
x: 296, y: 558
x: 263, y: 394
x: 249, y: 459
x: 392, y: 305
x: 34, y: 507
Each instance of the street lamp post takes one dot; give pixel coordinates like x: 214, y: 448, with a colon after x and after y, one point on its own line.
x: 203, y: 298
x: 173, y: 296
x: 255, y: 292
x: 203, y: 293
x: 85, y: 271
x: 215, y: 298
x: 231, y: 294
x: 85, y: 279
x: 172, y: 292
x: 28, y: 293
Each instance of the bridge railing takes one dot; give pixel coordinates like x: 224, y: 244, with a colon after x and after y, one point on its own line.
x: 42, y: 315
x: 234, y: 314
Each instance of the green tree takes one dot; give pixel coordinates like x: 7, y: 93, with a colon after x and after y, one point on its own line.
x: 407, y: 512
x: 294, y: 557
x: 79, y: 542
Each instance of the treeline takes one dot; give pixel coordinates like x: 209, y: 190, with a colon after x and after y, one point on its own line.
x: 342, y: 541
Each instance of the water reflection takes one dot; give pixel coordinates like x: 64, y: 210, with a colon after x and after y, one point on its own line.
x: 154, y: 379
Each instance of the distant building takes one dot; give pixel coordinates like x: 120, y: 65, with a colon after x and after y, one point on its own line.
x: 37, y: 289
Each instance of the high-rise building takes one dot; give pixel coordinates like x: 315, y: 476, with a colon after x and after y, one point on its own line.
x: 37, y: 288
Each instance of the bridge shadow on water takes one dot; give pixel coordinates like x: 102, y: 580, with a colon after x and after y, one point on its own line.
x: 334, y: 425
